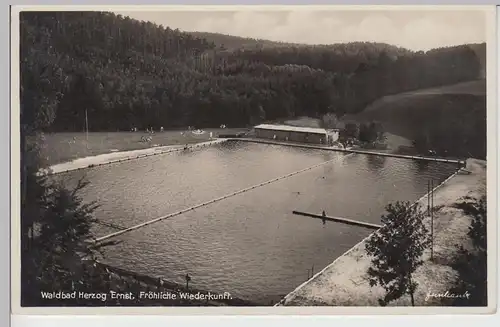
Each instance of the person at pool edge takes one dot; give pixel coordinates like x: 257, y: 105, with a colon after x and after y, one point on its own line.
x: 324, y: 215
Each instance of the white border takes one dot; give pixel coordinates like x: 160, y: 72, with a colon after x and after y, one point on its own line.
x: 15, y: 203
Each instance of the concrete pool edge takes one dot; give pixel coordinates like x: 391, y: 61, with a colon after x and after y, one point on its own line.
x: 347, y: 150
x: 311, y: 292
x: 93, y: 162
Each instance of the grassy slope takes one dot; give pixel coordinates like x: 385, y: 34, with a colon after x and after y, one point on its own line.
x: 455, y: 116
x: 480, y: 50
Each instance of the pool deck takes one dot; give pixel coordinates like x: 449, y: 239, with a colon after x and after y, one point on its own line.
x: 344, y: 282
x: 118, y: 157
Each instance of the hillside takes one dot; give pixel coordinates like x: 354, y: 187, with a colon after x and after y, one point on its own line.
x: 480, y: 51
x: 450, y: 120
x: 232, y: 42
x: 123, y: 73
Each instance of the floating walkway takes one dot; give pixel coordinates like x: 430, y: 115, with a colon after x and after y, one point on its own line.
x: 134, y: 154
x: 121, y: 232
x: 339, y: 220
x: 319, y: 147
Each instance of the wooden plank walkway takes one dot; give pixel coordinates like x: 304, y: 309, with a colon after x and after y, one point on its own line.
x: 320, y: 147
x: 339, y: 220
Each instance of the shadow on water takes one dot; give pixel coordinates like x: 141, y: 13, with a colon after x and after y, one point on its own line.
x: 375, y: 163
x: 421, y: 165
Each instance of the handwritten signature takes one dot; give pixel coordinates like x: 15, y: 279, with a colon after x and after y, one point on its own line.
x: 447, y: 295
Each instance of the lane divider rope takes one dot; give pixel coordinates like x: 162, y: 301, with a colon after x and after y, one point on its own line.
x: 121, y: 232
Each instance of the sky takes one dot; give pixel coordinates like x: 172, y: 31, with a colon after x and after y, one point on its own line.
x: 412, y: 29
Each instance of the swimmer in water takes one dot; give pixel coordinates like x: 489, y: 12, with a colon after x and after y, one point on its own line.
x: 324, y: 215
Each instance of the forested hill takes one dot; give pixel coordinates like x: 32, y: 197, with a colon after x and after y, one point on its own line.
x: 237, y: 42
x: 231, y: 42
x: 127, y: 73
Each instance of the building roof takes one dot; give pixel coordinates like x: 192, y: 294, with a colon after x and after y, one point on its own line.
x: 288, y: 128
x: 291, y: 128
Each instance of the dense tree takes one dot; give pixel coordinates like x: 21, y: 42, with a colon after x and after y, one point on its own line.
x: 235, y: 42
x: 59, y: 243
x: 125, y: 73
x: 450, y: 125
x: 55, y: 223
x: 371, y: 132
x: 396, y: 251
x: 351, y: 130
x: 330, y: 121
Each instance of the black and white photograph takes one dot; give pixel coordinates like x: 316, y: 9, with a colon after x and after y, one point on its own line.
x: 252, y: 156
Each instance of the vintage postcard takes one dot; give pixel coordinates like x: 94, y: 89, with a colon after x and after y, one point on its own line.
x: 253, y: 159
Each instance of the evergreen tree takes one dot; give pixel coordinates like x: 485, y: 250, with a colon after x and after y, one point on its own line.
x: 55, y: 223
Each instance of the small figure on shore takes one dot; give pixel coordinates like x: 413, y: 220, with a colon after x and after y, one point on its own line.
x: 324, y: 215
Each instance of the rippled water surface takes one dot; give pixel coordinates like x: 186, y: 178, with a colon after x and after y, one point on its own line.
x: 251, y: 244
